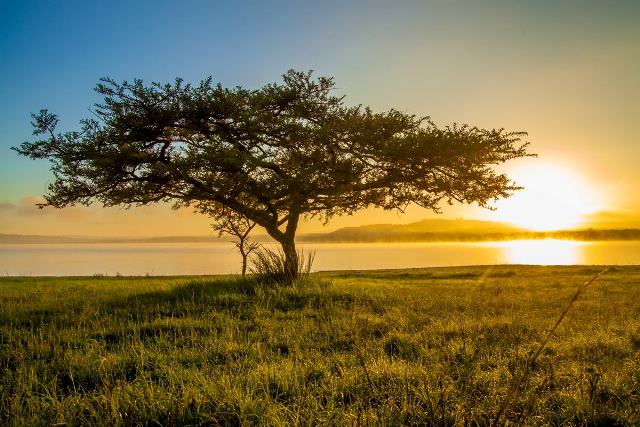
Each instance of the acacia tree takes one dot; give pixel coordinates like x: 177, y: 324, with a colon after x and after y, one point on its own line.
x: 272, y: 155
x: 239, y: 227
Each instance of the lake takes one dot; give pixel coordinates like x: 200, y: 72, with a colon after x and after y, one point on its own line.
x: 221, y: 258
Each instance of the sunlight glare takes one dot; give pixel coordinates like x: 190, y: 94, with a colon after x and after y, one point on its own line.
x: 553, y: 198
x: 542, y: 252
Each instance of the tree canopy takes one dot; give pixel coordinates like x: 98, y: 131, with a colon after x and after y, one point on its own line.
x: 272, y: 154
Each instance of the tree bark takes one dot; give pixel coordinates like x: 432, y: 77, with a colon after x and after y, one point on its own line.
x: 290, y: 257
x: 288, y: 244
x: 244, y: 265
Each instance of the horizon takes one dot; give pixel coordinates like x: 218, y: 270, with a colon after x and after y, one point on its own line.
x: 454, y: 226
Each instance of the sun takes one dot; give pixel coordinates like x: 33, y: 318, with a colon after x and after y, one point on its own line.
x: 553, y: 198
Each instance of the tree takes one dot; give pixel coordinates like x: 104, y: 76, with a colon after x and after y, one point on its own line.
x: 239, y: 227
x: 273, y: 154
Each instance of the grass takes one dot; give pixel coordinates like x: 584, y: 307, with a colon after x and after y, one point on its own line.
x: 432, y: 347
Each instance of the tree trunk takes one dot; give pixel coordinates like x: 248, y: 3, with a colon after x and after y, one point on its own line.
x: 244, y: 265
x: 288, y: 244
x: 290, y: 257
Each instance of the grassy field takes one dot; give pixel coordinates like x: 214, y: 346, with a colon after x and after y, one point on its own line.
x: 434, y: 346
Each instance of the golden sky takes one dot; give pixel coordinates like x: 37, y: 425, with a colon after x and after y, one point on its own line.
x: 566, y: 72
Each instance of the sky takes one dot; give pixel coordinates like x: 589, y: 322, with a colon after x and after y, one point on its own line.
x: 567, y: 72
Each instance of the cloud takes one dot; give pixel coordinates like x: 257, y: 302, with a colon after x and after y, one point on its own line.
x: 28, y: 207
x: 613, y: 219
x: 25, y: 217
x: 5, y: 206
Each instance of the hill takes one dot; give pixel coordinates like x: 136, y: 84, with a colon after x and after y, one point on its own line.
x: 427, y: 229
x: 465, y: 230
x: 33, y: 239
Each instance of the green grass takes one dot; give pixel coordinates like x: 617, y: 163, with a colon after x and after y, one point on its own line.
x: 432, y: 346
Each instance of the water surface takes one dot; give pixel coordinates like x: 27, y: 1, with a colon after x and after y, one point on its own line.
x: 221, y: 258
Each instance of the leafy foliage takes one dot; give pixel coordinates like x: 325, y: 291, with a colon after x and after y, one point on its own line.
x: 271, y: 154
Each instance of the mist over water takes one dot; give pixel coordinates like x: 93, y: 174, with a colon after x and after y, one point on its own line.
x: 221, y: 258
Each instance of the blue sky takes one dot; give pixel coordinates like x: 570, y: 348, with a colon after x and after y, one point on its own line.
x: 566, y: 71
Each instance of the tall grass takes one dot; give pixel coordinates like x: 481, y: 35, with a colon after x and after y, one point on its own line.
x: 518, y: 381
x: 412, y: 347
x: 268, y: 266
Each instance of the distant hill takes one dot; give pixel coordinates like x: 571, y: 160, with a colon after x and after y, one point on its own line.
x: 427, y: 229
x: 461, y: 230
x: 30, y: 238
x: 34, y: 239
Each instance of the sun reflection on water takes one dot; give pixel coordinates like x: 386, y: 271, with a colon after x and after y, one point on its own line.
x: 545, y: 252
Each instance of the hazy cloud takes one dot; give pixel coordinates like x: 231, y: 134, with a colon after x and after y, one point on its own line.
x: 28, y: 206
x: 613, y: 219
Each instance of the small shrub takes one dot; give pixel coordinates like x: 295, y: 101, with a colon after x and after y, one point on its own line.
x: 268, y: 266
